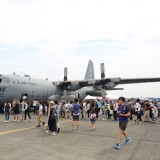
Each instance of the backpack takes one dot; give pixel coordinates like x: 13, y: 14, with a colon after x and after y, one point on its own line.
x: 7, y: 107
x: 54, y: 114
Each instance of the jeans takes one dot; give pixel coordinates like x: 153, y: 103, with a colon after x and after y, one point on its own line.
x: 105, y: 114
x: 6, y: 116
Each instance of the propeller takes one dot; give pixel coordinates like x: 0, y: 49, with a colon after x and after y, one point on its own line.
x: 102, y: 68
x: 65, y: 79
x: 65, y: 74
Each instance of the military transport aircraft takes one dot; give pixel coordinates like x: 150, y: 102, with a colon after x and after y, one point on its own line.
x: 14, y: 86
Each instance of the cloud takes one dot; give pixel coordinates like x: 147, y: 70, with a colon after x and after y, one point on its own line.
x: 40, y: 38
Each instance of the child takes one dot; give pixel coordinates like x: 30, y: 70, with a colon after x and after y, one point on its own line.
x: 93, y: 120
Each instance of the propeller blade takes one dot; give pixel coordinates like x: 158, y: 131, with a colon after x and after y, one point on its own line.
x: 103, y: 93
x: 65, y: 74
x: 102, y: 70
x: 65, y: 94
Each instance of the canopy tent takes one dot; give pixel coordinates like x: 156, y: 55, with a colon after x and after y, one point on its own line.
x: 111, y: 97
x: 107, y: 97
x: 89, y: 97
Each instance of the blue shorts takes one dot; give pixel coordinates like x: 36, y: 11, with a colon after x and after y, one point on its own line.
x: 93, y: 120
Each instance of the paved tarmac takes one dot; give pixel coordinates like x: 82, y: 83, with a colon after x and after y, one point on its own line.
x: 23, y: 141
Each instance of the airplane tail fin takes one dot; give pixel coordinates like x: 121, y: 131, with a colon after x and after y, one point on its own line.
x: 90, y: 71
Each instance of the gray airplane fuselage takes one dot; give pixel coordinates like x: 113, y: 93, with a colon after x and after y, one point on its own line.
x: 13, y: 86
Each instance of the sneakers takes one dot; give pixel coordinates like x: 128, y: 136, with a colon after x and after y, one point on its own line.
x: 127, y: 140
x: 118, y: 146
x: 93, y: 129
x: 54, y: 134
x: 38, y: 126
x: 47, y: 132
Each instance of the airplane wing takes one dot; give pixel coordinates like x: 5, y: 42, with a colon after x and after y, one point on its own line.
x: 104, y: 83
x: 138, y: 80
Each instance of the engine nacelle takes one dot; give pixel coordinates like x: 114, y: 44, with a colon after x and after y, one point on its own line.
x: 99, y: 93
x: 73, y: 87
x: 110, y: 85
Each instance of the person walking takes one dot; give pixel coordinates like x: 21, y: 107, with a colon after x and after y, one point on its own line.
x: 52, y: 119
x: 40, y: 113
x: 123, y: 114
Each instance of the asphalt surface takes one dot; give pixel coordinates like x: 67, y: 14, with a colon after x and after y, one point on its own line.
x: 23, y: 141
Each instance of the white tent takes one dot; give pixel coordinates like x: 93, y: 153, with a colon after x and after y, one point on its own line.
x: 108, y: 97
x: 111, y: 97
x: 89, y: 97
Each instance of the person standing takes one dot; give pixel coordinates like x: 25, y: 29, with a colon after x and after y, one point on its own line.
x: 76, y: 113
x: 93, y: 120
x: 27, y: 110
x: 35, y: 106
x: 24, y: 106
x: 115, y: 107
x: 7, y: 110
x: 16, y: 106
x: 147, y: 112
x: 99, y: 106
x: 123, y: 114
x: 137, y: 108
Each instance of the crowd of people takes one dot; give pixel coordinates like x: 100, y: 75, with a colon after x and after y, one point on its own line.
x: 120, y: 109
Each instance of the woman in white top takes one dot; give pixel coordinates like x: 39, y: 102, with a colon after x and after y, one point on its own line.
x: 137, y: 108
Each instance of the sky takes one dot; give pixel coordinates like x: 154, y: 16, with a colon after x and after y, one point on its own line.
x: 41, y: 37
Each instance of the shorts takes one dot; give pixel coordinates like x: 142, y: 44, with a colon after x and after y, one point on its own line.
x: 139, y: 115
x: 123, y: 125
x: 75, y: 117
x: 16, y: 111
x: 93, y: 120
x: 147, y: 113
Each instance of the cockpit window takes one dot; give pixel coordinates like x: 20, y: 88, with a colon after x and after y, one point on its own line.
x: 5, y: 80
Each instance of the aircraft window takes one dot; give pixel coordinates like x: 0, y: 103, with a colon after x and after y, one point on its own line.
x: 0, y: 80
x: 6, y: 80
